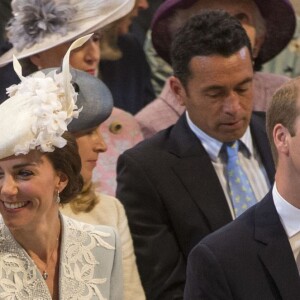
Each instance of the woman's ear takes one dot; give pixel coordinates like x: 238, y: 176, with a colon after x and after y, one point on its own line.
x: 63, y: 181
x: 35, y: 59
x: 257, y: 46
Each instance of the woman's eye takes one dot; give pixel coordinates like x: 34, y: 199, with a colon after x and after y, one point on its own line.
x: 243, y: 18
x: 97, y: 37
x: 24, y: 173
x: 90, y: 132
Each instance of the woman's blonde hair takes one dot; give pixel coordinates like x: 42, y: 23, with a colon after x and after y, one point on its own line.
x: 109, y: 42
x: 86, y: 200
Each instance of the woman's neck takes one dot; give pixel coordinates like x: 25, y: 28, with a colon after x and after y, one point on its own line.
x: 43, y: 247
x: 40, y: 239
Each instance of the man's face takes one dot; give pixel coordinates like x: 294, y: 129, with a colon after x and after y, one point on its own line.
x: 218, y: 94
x: 293, y: 142
x: 243, y: 10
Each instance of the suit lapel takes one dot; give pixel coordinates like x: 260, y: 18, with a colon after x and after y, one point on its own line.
x: 259, y: 135
x: 197, y: 174
x: 275, y: 252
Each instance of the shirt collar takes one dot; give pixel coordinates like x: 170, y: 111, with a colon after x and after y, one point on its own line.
x: 289, y: 214
x: 213, y: 146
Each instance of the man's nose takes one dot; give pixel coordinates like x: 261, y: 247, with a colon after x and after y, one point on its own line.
x: 232, y: 103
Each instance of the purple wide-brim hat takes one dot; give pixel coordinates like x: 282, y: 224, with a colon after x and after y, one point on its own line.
x: 279, y: 16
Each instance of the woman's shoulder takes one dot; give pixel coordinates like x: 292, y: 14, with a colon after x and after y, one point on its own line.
x: 77, y: 225
x: 109, y: 203
x: 110, y: 211
x: 77, y: 230
x: 89, y: 252
x: 109, y: 200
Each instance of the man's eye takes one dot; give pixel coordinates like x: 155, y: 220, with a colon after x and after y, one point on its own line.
x: 242, y: 90
x: 215, y: 94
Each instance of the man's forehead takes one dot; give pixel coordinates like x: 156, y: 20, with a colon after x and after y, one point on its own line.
x: 243, y: 55
x: 236, y: 67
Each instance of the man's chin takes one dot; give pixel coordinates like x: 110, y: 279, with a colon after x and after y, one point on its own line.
x: 227, y: 136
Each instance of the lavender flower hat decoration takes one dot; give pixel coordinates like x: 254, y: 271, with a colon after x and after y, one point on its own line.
x: 38, y: 25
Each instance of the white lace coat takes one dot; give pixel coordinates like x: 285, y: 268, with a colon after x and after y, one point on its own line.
x: 90, y: 265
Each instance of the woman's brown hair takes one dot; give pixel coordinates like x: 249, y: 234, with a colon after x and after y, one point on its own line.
x: 67, y: 160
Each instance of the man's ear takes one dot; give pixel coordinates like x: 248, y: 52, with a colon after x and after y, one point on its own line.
x: 178, y: 89
x: 280, y: 137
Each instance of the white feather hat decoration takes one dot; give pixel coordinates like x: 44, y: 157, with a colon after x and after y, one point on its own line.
x: 38, y: 110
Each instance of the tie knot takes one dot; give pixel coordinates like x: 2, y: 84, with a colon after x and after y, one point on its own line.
x: 232, y: 149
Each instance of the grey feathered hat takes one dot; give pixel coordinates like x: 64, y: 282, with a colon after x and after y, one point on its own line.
x: 94, y: 100
x: 47, y: 103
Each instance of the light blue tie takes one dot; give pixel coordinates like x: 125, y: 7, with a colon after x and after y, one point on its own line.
x: 241, y: 193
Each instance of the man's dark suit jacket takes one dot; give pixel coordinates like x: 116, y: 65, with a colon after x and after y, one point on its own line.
x: 248, y: 259
x: 173, y: 198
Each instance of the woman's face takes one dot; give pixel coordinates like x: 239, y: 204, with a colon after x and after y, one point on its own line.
x: 85, y: 58
x: 125, y: 22
x: 28, y: 191
x: 244, y: 11
x: 90, y: 144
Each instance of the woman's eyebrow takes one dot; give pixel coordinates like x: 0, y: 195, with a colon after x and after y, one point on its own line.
x: 22, y: 165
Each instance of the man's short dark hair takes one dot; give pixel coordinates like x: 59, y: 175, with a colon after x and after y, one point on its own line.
x: 212, y: 32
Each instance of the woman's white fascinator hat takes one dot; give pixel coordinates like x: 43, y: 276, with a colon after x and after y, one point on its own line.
x: 38, y: 109
x: 38, y: 25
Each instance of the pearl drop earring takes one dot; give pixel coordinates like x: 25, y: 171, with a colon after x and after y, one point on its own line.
x: 58, y: 198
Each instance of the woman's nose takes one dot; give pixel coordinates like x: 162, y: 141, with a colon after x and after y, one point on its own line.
x: 8, y: 186
x: 100, y: 145
x: 143, y: 4
x: 92, y: 51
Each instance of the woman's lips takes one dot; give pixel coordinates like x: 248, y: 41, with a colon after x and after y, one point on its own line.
x: 92, y: 163
x: 92, y: 72
x: 14, y: 205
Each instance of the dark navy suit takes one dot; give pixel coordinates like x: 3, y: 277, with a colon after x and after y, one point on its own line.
x: 173, y: 198
x: 248, y: 259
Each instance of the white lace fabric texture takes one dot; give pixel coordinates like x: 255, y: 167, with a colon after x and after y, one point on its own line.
x: 82, y: 274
